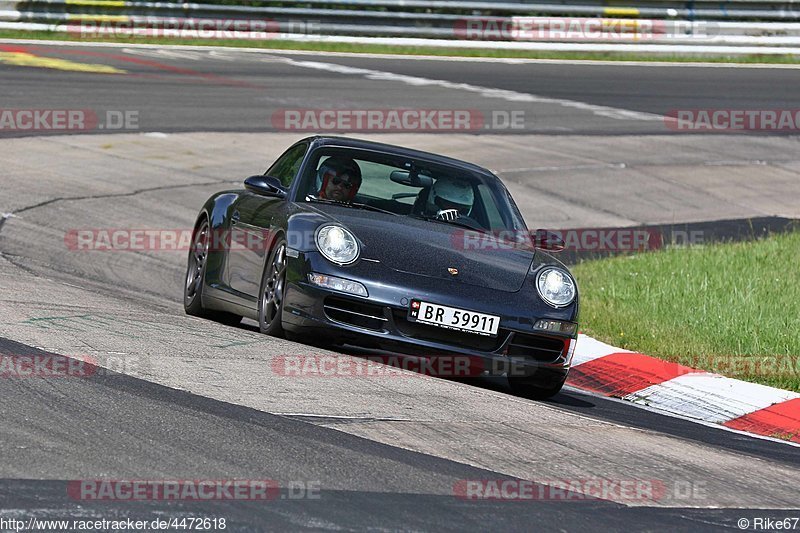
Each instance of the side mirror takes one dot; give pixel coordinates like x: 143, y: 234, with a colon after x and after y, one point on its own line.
x: 547, y: 240
x: 265, y: 186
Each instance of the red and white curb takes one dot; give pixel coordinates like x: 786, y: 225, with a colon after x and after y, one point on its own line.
x: 609, y: 371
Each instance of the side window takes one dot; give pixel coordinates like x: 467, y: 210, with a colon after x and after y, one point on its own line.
x: 287, y: 165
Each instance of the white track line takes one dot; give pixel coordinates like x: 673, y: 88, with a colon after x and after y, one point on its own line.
x: 486, y: 92
x: 409, y: 57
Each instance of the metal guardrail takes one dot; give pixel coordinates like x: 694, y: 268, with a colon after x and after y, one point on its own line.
x: 765, y: 10
x: 485, y: 7
x: 747, y: 23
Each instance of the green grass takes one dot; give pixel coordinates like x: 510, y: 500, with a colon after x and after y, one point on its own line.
x: 730, y: 308
x: 406, y: 50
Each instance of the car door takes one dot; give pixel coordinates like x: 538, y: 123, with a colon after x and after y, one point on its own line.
x: 252, y: 225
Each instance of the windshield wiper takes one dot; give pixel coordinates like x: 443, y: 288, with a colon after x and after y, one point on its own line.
x: 373, y: 208
x: 366, y: 207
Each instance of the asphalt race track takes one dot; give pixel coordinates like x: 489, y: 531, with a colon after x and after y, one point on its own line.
x: 188, y: 90
x: 178, y: 398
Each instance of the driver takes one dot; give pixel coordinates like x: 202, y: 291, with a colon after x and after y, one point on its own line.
x: 452, y: 198
x: 339, y: 178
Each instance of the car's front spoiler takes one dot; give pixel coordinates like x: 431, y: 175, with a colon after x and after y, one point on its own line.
x: 306, y: 316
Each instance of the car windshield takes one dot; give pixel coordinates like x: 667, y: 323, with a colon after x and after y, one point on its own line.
x: 410, y: 187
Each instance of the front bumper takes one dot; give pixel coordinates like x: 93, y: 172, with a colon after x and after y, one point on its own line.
x: 379, y: 322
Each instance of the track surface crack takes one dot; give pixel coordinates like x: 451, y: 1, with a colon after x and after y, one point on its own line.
x: 113, y: 195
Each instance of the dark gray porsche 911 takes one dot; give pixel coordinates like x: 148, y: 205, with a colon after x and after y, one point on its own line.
x: 387, y: 248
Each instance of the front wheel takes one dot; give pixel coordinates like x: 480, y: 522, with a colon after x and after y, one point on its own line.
x: 273, y: 290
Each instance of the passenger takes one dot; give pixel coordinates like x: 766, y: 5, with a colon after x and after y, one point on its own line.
x: 452, y: 198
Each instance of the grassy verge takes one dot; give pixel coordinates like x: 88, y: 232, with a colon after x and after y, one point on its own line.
x: 728, y: 308
x: 405, y: 50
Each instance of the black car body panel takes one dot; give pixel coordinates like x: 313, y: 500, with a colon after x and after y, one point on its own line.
x: 401, y: 259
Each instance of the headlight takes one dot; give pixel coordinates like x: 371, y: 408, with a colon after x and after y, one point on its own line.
x: 337, y: 244
x: 556, y: 287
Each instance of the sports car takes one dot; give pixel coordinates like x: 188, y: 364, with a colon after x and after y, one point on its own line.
x: 384, y: 248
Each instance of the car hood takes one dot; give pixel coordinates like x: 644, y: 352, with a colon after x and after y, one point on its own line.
x: 426, y: 248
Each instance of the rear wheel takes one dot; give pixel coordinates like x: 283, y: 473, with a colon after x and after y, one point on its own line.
x: 195, y: 279
x: 273, y: 290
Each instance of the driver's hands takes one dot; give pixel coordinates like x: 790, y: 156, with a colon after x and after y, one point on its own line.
x: 447, y: 214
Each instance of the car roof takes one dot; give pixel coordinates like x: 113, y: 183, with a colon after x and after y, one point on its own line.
x: 349, y: 142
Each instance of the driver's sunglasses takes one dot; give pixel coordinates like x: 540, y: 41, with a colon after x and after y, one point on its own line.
x: 337, y: 180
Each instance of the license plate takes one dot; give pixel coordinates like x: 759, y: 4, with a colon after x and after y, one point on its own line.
x: 453, y: 318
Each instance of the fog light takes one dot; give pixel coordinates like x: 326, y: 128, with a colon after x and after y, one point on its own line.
x: 338, y: 284
x: 556, y: 326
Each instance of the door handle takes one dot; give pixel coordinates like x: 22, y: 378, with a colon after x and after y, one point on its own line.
x: 235, y: 218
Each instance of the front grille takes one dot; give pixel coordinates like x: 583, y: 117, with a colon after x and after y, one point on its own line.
x: 536, y: 347
x: 360, y: 314
x: 454, y: 338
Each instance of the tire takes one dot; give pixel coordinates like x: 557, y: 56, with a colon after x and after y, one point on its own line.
x: 196, y: 276
x: 272, y: 292
x: 535, y: 391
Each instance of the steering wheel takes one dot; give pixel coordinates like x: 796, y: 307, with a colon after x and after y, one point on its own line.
x: 471, y: 222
